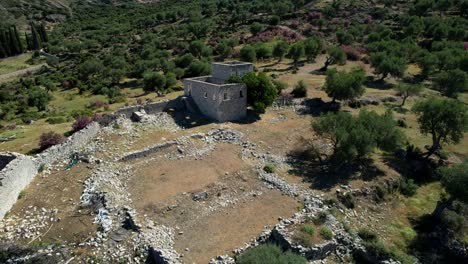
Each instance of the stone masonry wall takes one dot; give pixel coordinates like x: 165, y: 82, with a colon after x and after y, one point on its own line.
x: 224, y: 71
x: 14, y: 177
x: 17, y: 170
x: 151, y: 108
x: 225, y: 102
x: 20, y: 171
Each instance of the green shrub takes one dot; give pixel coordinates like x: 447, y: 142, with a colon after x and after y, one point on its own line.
x: 408, y: 187
x: 326, y: 233
x: 380, y: 193
x: 21, y: 194
x: 347, y: 200
x: 303, y: 238
x: 452, y: 220
x: 367, y: 235
x: 56, y: 120
x: 320, y: 218
x: 309, y: 229
x: 300, y: 90
x: 377, y: 249
x: 269, y: 168
x: 270, y: 254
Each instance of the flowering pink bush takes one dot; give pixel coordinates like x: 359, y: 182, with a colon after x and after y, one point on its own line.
x: 295, y: 24
x: 314, y: 15
x: 96, y: 104
x: 50, y: 139
x: 368, y: 20
x: 268, y: 35
x: 80, y: 123
x: 353, y: 53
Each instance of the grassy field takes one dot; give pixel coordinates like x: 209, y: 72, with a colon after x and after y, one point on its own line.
x: 13, y: 64
x: 400, y: 232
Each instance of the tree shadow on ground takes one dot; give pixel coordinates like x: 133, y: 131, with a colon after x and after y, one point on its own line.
x: 318, y: 71
x: 316, y: 107
x: 188, y: 120
x: 413, y: 165
x: 325, y: 176
x: 377, y: 84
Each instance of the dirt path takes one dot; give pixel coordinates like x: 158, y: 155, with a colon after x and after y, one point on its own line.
x: 20, y: 73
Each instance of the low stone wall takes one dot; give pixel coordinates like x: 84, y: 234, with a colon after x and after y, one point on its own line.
x: 151, y: 108
x: 19, y: 169
x: 143, y: 153
x: 72, y: 144
x: 14, y: 177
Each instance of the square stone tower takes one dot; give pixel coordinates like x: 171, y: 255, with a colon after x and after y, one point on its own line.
x: 214, y: 97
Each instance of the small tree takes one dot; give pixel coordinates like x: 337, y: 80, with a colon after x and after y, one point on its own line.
x: 354, y: 138
x: 312, y: 47
x: 445, y: 119
x: 247, y: 53
x: 406, y: 90
x: 451, y: 83
x: 280, y: 50
x: 296, y: 52
x: 300, y: 89
x: 154, y: 82
x: 260, y: 91
x: 256, y: 28
x: 39, y: 98
x: 50, y: 139
x: 335, y: 55
x: 386, y: 64
x: 341, y: 85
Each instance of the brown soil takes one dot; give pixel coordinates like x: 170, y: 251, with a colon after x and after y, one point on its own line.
x: 60, y: 190
x: 226, y: 230
x: 162, y: 179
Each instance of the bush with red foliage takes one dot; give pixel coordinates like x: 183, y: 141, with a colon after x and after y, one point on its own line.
x: 268, y: 35
x: 50, y: 139
x: 80, y: 123
x: 353, y: 53
x: 96, y: 104
x: 314, y: 15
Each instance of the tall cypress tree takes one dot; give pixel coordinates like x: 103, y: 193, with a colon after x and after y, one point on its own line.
x: 8, y: 47
x: 18, y: 39
x: 35, y: 38
x: 15, y: 48
x: 3, y: 43
x: 28, y: 41
x: 43, y: 33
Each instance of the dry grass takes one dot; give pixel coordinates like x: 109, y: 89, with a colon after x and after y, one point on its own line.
x: 13, y: 64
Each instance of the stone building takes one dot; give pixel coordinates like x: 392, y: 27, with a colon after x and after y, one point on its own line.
x: 214, y: 97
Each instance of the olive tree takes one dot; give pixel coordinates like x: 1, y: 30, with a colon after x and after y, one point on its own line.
x: 406, y: 90
x: 342, y: 85
x: 444, y: 119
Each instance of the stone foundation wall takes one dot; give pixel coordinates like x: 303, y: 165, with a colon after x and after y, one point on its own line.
x: 14, y: 177
x: 21, y: 169
x: 17, y: 170
x: 151, y: 108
